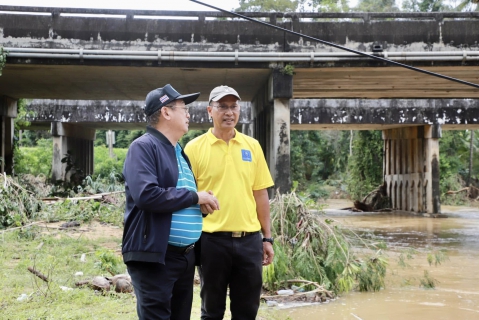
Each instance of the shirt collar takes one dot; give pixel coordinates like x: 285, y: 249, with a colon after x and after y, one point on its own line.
x: 160, y: 136
x: 212, y: 139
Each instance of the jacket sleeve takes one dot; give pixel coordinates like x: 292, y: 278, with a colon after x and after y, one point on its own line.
x: 141, y: 178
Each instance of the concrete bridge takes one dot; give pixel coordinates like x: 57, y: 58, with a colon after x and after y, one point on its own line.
x: 59, y: 54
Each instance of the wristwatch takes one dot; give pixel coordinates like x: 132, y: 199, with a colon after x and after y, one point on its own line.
x: 270, y: 240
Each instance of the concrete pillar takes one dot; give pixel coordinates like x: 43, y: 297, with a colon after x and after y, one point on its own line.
x: 77, y: 141
x: 271, y: 126
x: 8, y: 111
x: 411, y: 168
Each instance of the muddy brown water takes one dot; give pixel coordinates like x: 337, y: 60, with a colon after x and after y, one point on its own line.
x: 456, y: 295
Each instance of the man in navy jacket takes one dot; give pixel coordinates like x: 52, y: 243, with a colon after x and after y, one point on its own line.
x: 162, y: 216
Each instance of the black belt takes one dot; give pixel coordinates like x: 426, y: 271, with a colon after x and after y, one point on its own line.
x: 234, y: 234
x: 183, y: 250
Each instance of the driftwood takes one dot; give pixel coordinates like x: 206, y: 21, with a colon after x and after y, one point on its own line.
x: 319, y: 289
x: 38, y: 274
x: 99, y: 196
x: 120, y: 282
x: 379, y: 201
x: 460, y: 190
x: 472, y: 192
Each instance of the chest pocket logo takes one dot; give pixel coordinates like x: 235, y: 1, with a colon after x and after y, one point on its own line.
x: 246, y: 155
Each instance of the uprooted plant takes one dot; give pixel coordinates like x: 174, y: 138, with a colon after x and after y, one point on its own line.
x: 314, y: 247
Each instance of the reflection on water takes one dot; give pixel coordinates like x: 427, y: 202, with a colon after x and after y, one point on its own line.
x: 455, y: 296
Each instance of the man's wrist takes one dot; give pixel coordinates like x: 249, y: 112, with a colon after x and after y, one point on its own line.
x: 268, y: 239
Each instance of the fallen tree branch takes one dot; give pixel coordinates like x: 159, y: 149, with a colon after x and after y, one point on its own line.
x: 365, y: 198
x: 38, y: 274
x: 460, y: 190
x: 98, y: 196
x: 27, y: 225
x: 319, y: 288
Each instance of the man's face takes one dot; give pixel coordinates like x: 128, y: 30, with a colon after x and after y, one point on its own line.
x: 225, y: 112
x: 179, y: 115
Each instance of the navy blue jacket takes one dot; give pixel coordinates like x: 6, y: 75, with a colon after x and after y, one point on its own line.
x: 151, y: 174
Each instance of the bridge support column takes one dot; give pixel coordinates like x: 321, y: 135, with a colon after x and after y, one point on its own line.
x: 74, y: 140
x: 271, y: 126
x: 8, y: 111
x: 411, y: 168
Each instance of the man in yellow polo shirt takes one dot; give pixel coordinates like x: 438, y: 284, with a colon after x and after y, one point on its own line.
x: 236, y: 240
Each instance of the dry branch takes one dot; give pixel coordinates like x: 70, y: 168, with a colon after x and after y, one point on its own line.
x: 98, y: 196
x: 319, y: 288
x: 27, y: 225
x: 460, y: 190
x: 38, y: 274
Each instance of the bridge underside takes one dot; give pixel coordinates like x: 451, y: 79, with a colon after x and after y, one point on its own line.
x: 89, y: 82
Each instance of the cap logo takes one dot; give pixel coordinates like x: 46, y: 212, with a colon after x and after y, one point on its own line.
x: 164, y: 98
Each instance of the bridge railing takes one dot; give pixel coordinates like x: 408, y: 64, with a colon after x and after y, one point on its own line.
x: 272, y: 16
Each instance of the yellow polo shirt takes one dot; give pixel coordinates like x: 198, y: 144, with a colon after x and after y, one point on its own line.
x: 232, y: 171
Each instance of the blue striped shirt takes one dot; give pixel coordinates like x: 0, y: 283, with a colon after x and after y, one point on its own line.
x: 186, y: 224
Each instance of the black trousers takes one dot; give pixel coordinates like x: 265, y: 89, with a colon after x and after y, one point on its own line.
x: 164, y: 291
x: 233, y: 262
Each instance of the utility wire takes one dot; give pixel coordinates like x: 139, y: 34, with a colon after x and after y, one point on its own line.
x: 341, y: 47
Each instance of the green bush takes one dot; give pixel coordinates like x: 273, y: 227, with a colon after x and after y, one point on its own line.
x: 104, y: 165
x: 35, y: 160
x: 38, y: 160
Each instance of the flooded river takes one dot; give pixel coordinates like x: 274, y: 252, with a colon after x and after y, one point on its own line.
x: 456, y: 295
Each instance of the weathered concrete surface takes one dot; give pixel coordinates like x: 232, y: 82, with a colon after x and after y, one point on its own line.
x: 126, y: 79
x: 74, y: 140
x: 112, y: 114
x: 371, y: 114
x: 224, y: 35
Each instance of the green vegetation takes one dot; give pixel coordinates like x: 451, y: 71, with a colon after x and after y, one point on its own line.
x: 92, y: 248
x: 324, y: 164
x: 433, y: 257
x: 365, y: 163
x: 3, y: 59
x: 314, y: 247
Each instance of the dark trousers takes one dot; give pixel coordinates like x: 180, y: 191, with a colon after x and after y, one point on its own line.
x: 164, y: 291
x: 233, y: 262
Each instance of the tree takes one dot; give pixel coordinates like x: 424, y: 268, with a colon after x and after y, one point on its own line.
x: 366, y: 163
x: 268, y: 5
x: 425, y: 6
x: 468, y: 5
x: 376, y: 6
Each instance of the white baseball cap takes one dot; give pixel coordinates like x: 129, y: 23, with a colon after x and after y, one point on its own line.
x: 222, y: 91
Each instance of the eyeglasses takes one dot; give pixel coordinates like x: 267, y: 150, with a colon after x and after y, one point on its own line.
x: 186, y: 109
x: 224, y: 108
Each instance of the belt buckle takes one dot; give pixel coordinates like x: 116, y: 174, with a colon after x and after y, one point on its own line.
x: 189, y: 249
x: 237, y: 234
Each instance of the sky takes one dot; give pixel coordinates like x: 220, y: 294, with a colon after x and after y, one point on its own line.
x: 183, y: 5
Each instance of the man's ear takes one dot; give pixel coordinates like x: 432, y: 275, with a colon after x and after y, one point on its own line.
x: 209, y: 108
x: 165, y: 112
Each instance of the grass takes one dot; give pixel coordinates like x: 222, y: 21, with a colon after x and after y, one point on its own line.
x: 57, y: 254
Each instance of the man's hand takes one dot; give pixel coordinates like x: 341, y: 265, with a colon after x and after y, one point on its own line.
x: 208, y: 202
x: 268, y: 253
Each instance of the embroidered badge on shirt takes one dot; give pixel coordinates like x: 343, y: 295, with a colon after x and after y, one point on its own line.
x: 246, y: 154
x: 164, y: 98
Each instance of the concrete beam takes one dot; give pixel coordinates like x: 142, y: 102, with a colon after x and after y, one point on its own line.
x: 112, y: 114
x: 127, y: 32
x: 380, y: 114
